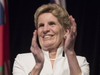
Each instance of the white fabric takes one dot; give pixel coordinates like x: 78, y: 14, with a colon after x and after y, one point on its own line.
x: 24, y: 63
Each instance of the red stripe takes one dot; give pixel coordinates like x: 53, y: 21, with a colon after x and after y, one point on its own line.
x: 1, y: 44
x: 60, y: 2
x: 4, y: 39
x: 6, y: 34
x: 55, y: 2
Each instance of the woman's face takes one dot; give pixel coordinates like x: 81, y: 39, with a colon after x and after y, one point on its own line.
x: 50, y: 32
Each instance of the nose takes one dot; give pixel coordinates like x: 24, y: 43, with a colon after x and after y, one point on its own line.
x: 46, y: 29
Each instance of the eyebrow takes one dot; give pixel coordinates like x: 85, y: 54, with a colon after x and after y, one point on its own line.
x: 40, y: 24
x: 51, y: 21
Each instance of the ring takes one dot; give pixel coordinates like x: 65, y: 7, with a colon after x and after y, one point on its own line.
x: 74, y: 31
x: 32, y: 45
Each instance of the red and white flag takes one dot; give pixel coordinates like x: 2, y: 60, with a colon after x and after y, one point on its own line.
x: 4, y: 39
x: 60, y: 2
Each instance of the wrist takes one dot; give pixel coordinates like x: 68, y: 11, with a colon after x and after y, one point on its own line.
x: 36, y: 70
x: 38, y: 66
x: 70, y: 52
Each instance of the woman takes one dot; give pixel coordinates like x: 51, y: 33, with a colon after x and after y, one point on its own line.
x: 56, y: 32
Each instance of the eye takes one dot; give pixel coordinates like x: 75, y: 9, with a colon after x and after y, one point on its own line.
x: 51, y: 23
x: 40, y: 25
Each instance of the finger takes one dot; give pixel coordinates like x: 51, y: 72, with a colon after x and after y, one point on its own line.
x: 72, y: 20
x: 73, y: 24
x: 34, y: 39
x: 34, y: 46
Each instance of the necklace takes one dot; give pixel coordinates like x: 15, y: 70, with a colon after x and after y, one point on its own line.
x: 52, y: 59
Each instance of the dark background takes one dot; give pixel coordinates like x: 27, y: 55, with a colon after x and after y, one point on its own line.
x: 86, y: 14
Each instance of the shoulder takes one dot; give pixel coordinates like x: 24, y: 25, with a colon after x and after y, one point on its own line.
x: 24, y: 57
x: 82, y: 60
x: 84, y: 65
x: 23, y: 62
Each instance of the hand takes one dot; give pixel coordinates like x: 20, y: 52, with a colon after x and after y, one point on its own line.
x: 71, y: 36
x: 37, y: 52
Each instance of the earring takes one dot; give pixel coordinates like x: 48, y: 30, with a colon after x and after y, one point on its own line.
x: 65, y: 37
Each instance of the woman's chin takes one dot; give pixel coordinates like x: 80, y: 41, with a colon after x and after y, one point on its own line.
x: 47, y: 47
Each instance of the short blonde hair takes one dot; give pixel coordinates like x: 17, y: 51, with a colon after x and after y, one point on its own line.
x: 59, y: 12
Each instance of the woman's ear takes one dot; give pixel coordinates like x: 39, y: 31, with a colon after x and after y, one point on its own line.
x: 66, y: 31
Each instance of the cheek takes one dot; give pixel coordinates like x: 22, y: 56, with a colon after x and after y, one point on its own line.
x: 61, y: 34
x: 38, y: 32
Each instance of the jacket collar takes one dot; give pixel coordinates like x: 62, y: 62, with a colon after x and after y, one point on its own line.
x: 59, y: 53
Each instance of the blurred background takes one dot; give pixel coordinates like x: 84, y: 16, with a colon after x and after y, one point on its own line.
x: 86, y: 14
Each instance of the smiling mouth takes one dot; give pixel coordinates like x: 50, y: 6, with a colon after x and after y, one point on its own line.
x: 47, y: 36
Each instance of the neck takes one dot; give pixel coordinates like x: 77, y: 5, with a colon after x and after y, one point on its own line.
x: 52, y: 54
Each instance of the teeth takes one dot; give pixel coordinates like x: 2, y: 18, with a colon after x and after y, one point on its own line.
x: 46, y: 36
